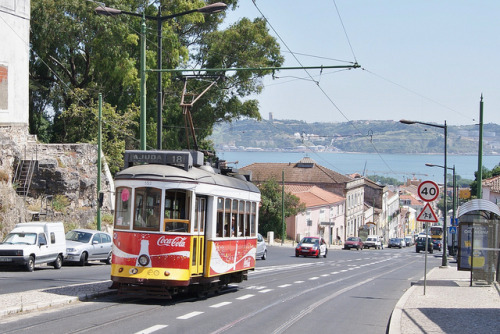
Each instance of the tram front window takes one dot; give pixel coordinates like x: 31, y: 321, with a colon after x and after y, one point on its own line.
x: 122, y: 213
x: 147, y: 209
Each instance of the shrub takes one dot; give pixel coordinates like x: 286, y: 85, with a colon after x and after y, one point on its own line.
x: 60, y: 203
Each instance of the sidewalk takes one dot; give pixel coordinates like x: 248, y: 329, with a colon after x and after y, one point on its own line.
x: 32, y: 300
x: 450, y: 305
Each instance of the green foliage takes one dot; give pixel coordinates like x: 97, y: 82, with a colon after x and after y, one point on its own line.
x: 76, y: 54
x: 486, y: 174
x: 107, y: 218
x: 117, y: 129
x: 60, y: 203
x: 270, y: 213
x: 68, y: 226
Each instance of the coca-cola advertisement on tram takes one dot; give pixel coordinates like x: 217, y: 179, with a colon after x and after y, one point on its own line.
x: 160, y: 248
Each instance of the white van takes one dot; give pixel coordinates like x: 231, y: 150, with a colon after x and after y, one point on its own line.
x: 373, y: 241
x: 30, y: 244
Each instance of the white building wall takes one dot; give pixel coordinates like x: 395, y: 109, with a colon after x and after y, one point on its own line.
x: 14, y: 61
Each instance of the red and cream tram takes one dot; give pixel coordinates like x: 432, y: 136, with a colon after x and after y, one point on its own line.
x: 180, y: 224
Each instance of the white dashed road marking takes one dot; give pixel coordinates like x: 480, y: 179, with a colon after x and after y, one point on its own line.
x: 221, y: 304
x: 151, y: 329
x: 189, y: 315
x: 245, y: 297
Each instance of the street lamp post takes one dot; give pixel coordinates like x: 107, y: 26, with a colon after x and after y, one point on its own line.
x: 444, y: 262
x: 213, y: 8
x: 454, y: 201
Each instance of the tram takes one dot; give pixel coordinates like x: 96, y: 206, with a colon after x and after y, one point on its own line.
x: 181, y: 225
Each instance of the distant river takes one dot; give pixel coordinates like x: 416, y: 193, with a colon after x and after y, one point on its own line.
x: 399, y: 166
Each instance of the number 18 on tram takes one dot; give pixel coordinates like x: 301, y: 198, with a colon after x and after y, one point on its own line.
x: 181, y: 225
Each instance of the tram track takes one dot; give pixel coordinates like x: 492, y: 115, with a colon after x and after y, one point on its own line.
x: 297, y: 317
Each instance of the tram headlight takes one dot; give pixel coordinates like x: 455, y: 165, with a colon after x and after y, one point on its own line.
x: 143, y: 260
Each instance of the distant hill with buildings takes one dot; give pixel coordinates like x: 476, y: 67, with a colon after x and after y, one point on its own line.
x: 356, y: 136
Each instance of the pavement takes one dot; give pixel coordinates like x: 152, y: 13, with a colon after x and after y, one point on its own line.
x: 449, y: 305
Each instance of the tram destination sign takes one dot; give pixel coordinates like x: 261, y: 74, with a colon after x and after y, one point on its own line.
x: 428, y: 191
x: 176, y: 158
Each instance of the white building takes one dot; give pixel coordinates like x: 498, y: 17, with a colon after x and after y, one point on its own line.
x: 14, y: 63
x: 324, y: 214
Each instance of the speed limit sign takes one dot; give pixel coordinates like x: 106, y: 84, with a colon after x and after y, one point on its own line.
x: 428, y: 191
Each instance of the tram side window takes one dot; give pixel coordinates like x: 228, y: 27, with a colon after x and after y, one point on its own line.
x: 147, y: 209
x: 227, y: 218
x: 176, y: 211
x: 247, y: 219
x: 220, y: 217
x: 241, y: 219
x: 122, y: 213
x: 253, y: 220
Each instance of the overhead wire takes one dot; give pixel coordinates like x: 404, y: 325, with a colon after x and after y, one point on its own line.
x: 317, y: 83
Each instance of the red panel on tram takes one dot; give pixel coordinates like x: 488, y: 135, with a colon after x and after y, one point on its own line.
x: 167, y: 251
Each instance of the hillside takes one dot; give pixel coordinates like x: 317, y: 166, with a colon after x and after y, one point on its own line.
x: 355, y: 136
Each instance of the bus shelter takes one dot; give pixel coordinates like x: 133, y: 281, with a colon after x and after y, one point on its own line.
x: 479, y: 239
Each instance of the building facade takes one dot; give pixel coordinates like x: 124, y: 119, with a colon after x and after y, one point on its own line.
x: 14, y: 63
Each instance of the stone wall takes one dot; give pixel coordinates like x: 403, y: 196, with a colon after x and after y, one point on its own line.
x: 66, y: 173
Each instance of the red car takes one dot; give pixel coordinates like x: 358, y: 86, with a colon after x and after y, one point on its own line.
x: 353, y: 242
x: 311, y: 246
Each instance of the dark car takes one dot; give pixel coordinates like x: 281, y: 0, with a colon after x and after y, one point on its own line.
x: 353, y: 242
x: 395, y: 242
x: 437, y: 244
x: 311, y: 246
x: 420, y: 244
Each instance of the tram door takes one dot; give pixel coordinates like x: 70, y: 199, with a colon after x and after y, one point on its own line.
x: 198, y: 251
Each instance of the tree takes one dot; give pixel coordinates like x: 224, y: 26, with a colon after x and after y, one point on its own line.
x: 72, y: 49
x: 117, y: 129
x: 270, y: 213
x: 486, y: 174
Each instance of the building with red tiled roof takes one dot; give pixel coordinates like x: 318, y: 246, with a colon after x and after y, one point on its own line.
x: 491, y: 189
x: 308, y: 172
x: 324, y: 214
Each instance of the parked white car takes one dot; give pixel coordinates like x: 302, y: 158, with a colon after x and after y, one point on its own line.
x: 85, y: 245
x: 34, y: 243
x: 261, y: 248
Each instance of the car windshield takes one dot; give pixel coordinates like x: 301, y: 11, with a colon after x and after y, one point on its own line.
x: 79, y: 236
x: 352, y: 239
x: 309, y: 240
x: 20, y: 239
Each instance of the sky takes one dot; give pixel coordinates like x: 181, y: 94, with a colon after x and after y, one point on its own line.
x: 425, y: 60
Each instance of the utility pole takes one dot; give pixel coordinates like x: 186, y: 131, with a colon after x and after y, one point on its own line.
x: 480, y: 153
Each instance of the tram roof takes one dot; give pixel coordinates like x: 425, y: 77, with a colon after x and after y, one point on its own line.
x: 177, y: 174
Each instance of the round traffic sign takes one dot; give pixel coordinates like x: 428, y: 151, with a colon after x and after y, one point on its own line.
x: 428, y: 191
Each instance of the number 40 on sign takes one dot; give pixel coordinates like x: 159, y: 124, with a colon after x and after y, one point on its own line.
x: 428, y: 191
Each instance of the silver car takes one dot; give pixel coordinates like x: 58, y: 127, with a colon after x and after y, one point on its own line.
x: 84, y: 245
x: 261, y: 248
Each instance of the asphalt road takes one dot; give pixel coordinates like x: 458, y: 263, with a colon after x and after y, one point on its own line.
x: 349, y: 291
